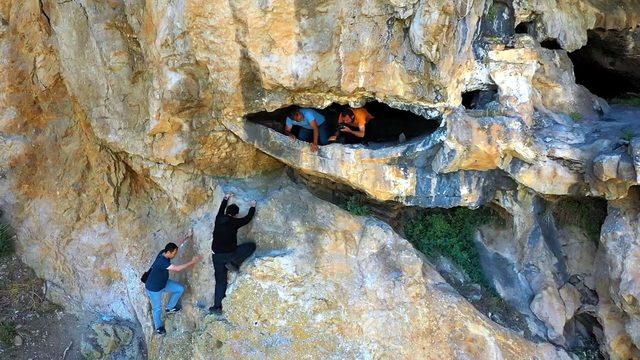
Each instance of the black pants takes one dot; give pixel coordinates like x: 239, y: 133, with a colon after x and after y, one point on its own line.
x: 242, y: 252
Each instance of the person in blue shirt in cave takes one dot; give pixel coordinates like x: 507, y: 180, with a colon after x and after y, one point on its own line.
x: 313, y: 127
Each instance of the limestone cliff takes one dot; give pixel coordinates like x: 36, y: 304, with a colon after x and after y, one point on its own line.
x: 118, y: 117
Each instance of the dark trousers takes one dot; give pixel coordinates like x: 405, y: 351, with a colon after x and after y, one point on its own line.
x: 242, y: 252
x: 323, y: 134
x: 347, y: 138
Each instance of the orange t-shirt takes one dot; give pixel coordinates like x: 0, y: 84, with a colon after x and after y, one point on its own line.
x: 361, y: 116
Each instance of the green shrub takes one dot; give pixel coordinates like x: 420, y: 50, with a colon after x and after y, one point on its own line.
x: 6, y: 240
x: 627, y: 135
x: 450, y: 233
x: 630, y: 101
x: 576, y: 116
x: 587, y: 353
x: 587, y: 214
x: 356, y: 205
x: 492, y: 13
x: 7, y: 333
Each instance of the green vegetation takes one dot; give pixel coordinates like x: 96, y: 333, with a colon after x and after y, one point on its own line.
x: 587, y: 214
x: 586, y: 353
x: 450, y: 233
x: 493, y: 39
x: 629, y: 101
x: 576, y: 116
x: 627, y: 135
x: 356, y: 205
x: 7, y: 333
x: 492, y: 13
x: 6, y: 240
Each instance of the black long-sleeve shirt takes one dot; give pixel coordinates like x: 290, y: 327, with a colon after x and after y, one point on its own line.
x: 226, y: 229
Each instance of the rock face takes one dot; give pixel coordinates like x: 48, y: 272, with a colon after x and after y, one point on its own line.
x: 618, y: 276
x: 110, y: 341
x: 325, y: 282
x: 118, y: 117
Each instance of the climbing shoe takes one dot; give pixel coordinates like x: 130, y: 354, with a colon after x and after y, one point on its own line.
x: 161, y: 330
x: 231, y: 266
x: 215, y: 310
x: 173, y: 310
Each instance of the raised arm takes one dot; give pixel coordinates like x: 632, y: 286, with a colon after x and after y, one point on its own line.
x: 223, y: 205
x: 246, y: 219
x: 185, y: 238
x: 181, y: 267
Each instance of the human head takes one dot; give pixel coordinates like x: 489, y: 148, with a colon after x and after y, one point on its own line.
x: 232, y: 210
x: 296, y: 115
x: 170, y: 250
x: 346, y: 116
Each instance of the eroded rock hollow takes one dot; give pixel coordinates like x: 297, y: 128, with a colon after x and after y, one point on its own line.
x: 123, y: 123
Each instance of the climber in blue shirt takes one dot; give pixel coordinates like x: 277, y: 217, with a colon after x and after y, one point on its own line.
x: 157, y: 283
x: 313, y: 127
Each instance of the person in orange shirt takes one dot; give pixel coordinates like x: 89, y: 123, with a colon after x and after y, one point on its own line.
x: 351, y: 125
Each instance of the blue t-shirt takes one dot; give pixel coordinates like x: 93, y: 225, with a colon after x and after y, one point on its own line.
x: 308, y: 115
x: 159, y: 274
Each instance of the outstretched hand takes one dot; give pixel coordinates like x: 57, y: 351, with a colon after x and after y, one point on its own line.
x: 229, y: 196
x: 253, y: 203
x: 187, y: 236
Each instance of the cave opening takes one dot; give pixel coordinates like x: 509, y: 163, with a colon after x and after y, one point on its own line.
x: 526, y: 27
x: 585, y: 213
x: 498, y: 20
x: 609, y: 64
x: 479, y: 99
x: 582, y: 333
x: 389, y: 125
x: 551, y: 44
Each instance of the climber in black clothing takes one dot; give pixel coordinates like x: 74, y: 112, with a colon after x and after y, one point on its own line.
x: 227, y: 254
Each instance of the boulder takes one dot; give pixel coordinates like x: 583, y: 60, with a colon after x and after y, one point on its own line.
x: 618, y: 281
x: 110, y: 341
x: 548, y: 306
x: 342, y: 286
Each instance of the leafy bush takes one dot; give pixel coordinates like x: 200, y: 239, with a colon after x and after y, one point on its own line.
x: 587, y: 214
x: 450, y: 233
x: 492, y: 13
x: 576, y: 116
x: 356, y: 205
x: 588, y: 353
x: 6, y: 240
x: 7, y: 333
x: 630, y: 101
x: 627, y: 135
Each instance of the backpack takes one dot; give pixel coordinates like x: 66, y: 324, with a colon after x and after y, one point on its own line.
x: 145, y: 275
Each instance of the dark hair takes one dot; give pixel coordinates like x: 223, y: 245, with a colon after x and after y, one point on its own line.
x: 293, y: 111
x: 170, y: 247
x: 232, y: 210
x: 347, y: 112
